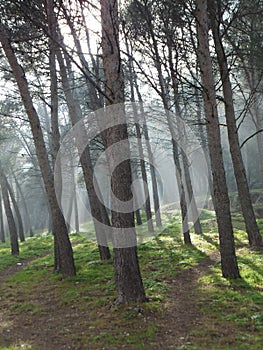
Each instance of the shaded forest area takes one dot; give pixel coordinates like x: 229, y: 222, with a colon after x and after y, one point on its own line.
x: 131, y: 174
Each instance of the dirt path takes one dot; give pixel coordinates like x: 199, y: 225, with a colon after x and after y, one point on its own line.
x: 62, y: 327
x: 12, y: 270
x: 182, y: 312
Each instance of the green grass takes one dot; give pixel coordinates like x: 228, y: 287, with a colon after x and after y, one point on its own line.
x: 31, y: 248
x: 231, y: 311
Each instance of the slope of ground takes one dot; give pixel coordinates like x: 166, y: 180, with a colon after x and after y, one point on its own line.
x: 191, y: 306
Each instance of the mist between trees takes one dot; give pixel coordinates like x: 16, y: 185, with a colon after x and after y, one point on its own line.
x: 116, y: 113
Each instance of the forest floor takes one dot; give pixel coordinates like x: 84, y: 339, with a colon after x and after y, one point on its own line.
x: 191, y: 306
x: 51, y: 329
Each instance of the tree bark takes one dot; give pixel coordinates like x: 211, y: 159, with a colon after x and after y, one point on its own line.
x: 9, y: 215
x: 24, y: 204
x: 2, y: 229
x: 254, y: 236
x: 188, y: 182
x: 21, y: 233
x: 75, y: 113
x: 156, y: 200
x: 140, y: 147
x: 58, y: 222
x: 126, y: 266
x: 178, y: 169
x: 222, y: 205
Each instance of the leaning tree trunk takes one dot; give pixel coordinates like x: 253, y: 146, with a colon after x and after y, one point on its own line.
x: 9, y: 216
x: 254, y: 235
x: 58, y: 221
x: 222, y: 204
x: 126, y: 266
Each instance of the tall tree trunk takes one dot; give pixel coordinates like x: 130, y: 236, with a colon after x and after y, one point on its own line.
x: 73, y: 205
x: 126, y: 266
x: 136, y: 203
x: 203, y: 142
x: 2, y: 229
x: 259, y: 136
x: 192, y: 203
x: 55, y: 133
x: 24, y: 204
x: 9, y: 215
x: 75, y: 113
x: 76, y: 212
x: 140, y: 147
x: 156, y: 200
x: 135, y: 88
x: 21, y: 233
x: 58, y: 222
x: 178, y: 169
x: 254, y: 235
x: 181, y: 190
x: 222, y: 205
x: 192, y: 207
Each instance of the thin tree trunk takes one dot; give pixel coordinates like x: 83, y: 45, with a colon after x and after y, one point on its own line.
x: 58, y: 221
x: 126, y: 266
x: 76, y: 211
x: 192, y: 203
x: 55, y: 134
x: 181, y: 190
x: 2, y: 229
x: 192, y: 207
x: 203, y: 142
x: 143, y: 170
x: 140, y: 148
x: 73, y: 205
x: 21, y: 233
x: 222, y: 205
x: 178, y: 170
x: 75, y: 113
x: 24, y: 204
x: 136, y: 205
x: 9, y: 215
x: 254, y: 235
x: 156, y: 200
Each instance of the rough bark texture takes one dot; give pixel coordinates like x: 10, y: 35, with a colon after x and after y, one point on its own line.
x: 222, y: 204
x: 58, y: 222
x: 126, y: 266
x: 9, y: 216
x: 254, y: 235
